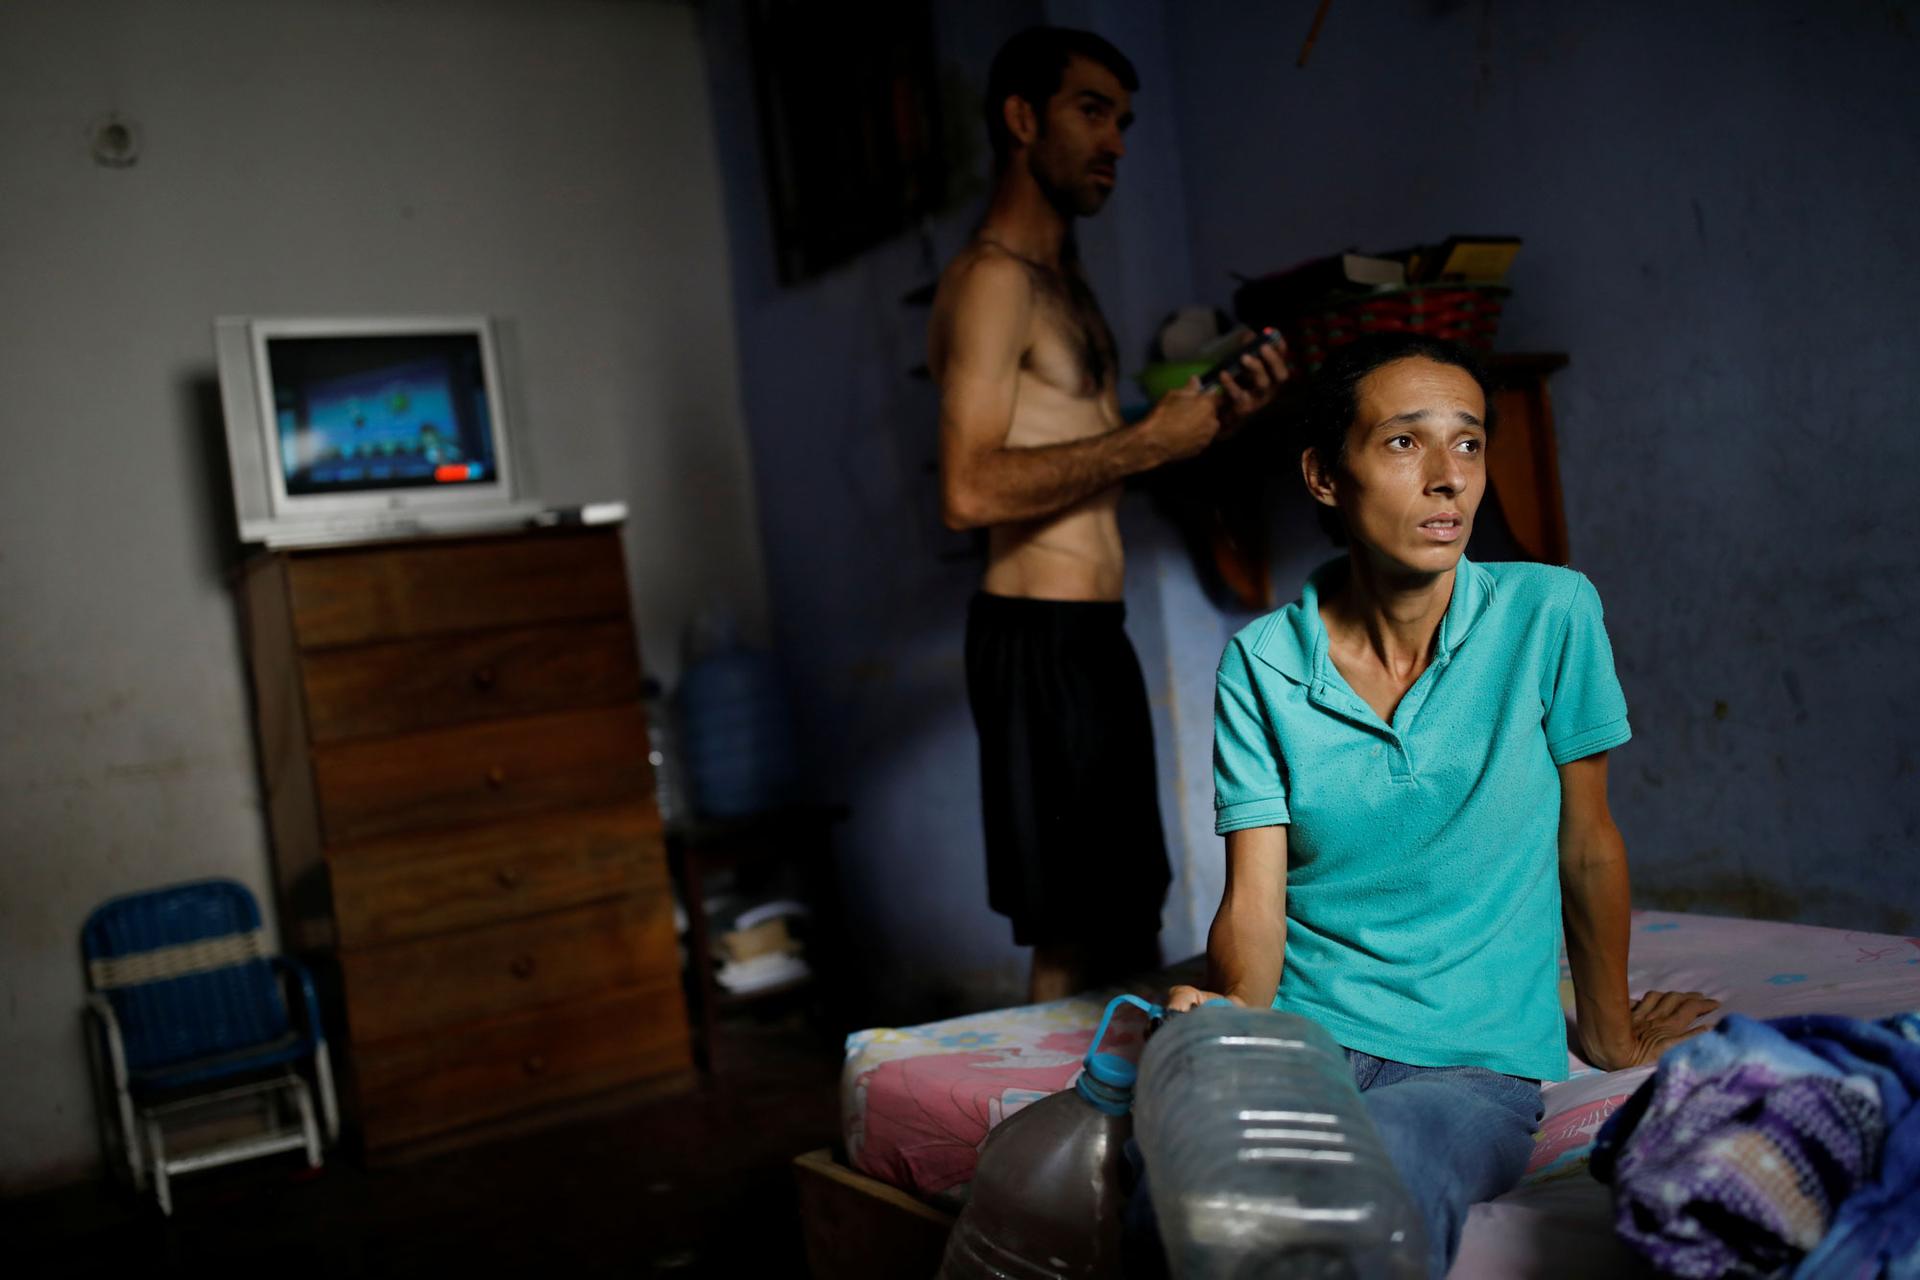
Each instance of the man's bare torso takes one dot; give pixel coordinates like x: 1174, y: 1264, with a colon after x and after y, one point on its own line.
x: 1073, y: 554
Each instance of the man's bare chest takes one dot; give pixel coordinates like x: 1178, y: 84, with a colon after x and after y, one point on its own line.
x: 1054, y: 399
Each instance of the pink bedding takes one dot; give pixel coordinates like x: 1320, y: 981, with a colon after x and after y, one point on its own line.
x: 916, y: 1102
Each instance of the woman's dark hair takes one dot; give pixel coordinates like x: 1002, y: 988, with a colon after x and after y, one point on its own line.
x: 1331, y: 399
x: 1031, y: 65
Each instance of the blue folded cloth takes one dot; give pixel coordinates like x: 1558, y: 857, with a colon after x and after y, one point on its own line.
x: 1764, y: 1144
x: 1877, y: 1232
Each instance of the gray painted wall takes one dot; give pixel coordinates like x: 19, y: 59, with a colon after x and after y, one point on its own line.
x: 549, y: 163
x: 1716, y: 200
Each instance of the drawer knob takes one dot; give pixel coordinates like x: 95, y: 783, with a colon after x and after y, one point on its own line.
x: 534, y: 1064
x: 508, y: 877
x: 483, y: 678
x: 522, y: 967
x: 496, y: 777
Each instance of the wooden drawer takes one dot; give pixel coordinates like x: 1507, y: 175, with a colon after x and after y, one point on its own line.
x: 395, y: 592
x: 409, y: 685
x: 480, y: 773
x: 413, y: 986
x: 419, y: 1087
x: 414, y: 886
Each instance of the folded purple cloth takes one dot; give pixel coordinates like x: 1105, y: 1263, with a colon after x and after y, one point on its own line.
x: 1753, y: 1142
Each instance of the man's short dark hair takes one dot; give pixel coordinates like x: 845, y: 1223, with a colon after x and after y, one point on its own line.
x: 1332, y: 398
x: 1031, y: 66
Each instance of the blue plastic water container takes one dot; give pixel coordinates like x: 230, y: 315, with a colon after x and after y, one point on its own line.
x: 737, y: 737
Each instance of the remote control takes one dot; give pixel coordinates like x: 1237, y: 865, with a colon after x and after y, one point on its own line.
x: 1210, y: 380
x: 588, y: 513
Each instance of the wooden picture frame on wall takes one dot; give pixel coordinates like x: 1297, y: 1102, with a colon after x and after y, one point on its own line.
x: 849, y: 124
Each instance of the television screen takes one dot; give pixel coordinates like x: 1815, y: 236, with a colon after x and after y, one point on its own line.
x: 347, y: 428
x: 382, y: 411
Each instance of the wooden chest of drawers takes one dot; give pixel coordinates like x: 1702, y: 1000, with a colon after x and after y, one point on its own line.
x: 454, y: 754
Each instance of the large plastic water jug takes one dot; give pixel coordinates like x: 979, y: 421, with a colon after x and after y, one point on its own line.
x: 1260, y: 1157
x: 1048, y: 1194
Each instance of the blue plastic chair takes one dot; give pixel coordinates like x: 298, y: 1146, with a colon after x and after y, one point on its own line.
x: 189, y: 1013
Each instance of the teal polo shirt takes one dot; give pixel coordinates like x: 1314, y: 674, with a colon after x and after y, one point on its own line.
x: 1423, y: 882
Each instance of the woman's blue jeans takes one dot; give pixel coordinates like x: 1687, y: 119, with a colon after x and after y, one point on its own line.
x: 1456, y: 1135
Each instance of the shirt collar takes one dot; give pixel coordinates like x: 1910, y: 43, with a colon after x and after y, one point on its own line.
x: 1296, y: 645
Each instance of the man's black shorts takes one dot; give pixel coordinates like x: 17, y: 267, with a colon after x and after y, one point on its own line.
x: 1074, y: 847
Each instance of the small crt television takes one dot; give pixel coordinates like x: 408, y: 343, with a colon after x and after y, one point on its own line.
x: 352, y: 429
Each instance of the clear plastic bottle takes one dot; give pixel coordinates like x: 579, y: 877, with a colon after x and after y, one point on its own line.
x: 1261, y: 1158
x: 1047, y: 1195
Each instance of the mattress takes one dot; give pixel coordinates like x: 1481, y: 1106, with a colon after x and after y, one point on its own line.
x: 917, y: 1102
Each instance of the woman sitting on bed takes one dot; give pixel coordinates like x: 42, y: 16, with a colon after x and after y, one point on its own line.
x: 1410, y: 771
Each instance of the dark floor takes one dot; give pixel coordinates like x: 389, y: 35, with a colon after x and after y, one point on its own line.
x: 691, y: 1186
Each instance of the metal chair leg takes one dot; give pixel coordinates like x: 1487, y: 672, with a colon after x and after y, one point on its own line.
x: 117, y: 1067
x: 303, y: 1098
x: 157, y: 1152
x: 329, y: 1104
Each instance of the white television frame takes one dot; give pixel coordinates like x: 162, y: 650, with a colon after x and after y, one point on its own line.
x: 268, y: 513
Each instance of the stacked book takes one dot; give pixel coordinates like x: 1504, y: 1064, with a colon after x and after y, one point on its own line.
x: 760, y: 952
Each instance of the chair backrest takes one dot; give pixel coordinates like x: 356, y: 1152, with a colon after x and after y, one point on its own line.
x: 186, y: 970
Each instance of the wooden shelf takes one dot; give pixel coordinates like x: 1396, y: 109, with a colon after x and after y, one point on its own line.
x: 799, y: 837
x: 726, y: 999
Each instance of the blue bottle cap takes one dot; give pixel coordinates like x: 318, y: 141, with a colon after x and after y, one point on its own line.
x: 1112, y: 1070
x: 1107, y: 1083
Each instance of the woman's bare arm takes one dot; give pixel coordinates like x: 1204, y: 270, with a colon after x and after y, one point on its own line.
x: 1247, y: 945
x: 1610, y: 1031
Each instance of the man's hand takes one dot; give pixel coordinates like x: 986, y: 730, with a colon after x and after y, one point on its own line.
x: 1183, y: 998
x: 1184, y: 422
x: 1254, y: 383
x: 1661, y: 1019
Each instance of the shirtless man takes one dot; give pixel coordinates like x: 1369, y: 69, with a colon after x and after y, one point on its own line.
x: 1033, y: 449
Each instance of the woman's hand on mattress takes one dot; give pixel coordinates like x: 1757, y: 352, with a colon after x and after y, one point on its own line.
x: 1182, y: 998
x: 1660, y: 1020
